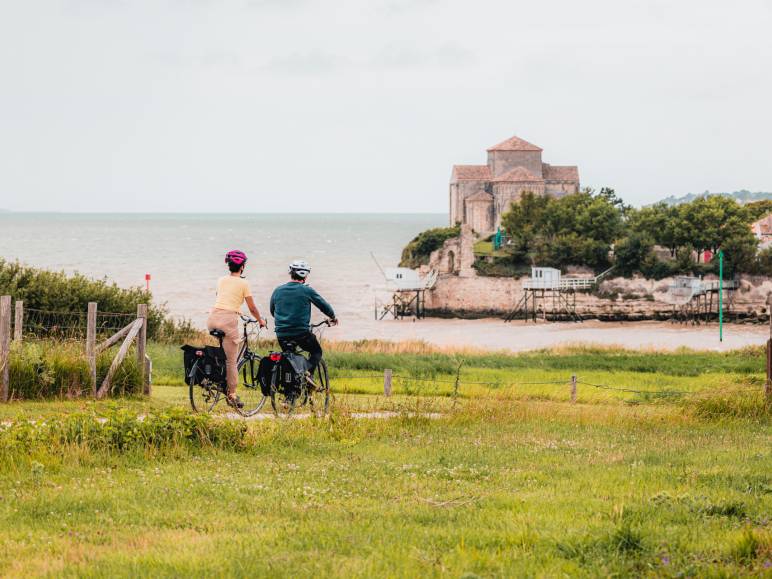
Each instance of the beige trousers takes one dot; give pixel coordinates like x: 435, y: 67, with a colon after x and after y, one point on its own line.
x: 228, y: 322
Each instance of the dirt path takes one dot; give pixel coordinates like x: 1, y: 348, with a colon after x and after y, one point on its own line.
x: 359, y: 415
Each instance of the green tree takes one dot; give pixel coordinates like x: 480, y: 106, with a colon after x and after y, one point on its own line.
x: 758, y: 209
x: 525, y: 219
x: 632, y: 252
x: 660, y: 222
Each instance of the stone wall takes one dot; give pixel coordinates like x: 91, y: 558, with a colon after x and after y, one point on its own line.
x: 458, y: 194
x: 460, y: 292
x: 615, y: 299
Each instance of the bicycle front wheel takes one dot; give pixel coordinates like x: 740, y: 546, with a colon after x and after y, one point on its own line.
x: 249, y: 389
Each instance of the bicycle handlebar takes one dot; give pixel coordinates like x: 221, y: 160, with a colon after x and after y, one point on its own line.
x: 322, y: 323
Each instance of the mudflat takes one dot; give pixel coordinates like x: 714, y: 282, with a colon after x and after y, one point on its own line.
x: 518, y: 336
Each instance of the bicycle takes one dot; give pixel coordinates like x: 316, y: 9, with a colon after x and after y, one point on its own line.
x: 209, y: 387
x: 292, y: 387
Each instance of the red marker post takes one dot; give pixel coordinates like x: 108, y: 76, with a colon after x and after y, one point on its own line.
x: 147, y: 281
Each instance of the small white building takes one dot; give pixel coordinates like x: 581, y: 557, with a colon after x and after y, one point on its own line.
x: 403, y: 278
x: 543, y: 278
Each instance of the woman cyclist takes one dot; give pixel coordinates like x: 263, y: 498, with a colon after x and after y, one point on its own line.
x: 232, y: 291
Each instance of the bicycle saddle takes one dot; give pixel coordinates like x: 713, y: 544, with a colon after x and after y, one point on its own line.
x: 217, y: 333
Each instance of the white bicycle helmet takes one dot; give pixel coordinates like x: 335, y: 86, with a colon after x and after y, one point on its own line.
x: 300, y: 268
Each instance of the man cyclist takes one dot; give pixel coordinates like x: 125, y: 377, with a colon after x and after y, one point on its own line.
x: 291, y: 309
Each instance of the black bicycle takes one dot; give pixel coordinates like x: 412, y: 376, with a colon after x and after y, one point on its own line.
x: 205, y: 374
x: 291, y: 386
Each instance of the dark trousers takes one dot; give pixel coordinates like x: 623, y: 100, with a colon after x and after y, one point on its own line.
x: 306, y: 342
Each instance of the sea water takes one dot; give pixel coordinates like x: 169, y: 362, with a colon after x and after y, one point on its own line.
x: 184, y: 254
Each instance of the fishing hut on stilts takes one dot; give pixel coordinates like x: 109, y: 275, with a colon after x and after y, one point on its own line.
x: 550, y: 296
x: 409, y: 300
x: 697, y: 301
x: 407, y: 289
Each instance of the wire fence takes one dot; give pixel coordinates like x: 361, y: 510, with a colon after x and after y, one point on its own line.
x: 62, y: 326
x: 570, y: 382
x: 66, y: 353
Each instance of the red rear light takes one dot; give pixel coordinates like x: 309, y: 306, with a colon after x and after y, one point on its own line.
x: 275, y: 357
x: 199, y: 353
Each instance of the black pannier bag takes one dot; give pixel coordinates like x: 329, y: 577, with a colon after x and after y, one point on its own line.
x: 291, y: 367
x: 265, y: 372
x: 209, y: 362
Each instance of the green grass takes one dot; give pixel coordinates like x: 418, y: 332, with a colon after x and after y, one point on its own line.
x: 356, y: 368
x: 55, y: 369
x: 491, y: 489
x: 508, y: 481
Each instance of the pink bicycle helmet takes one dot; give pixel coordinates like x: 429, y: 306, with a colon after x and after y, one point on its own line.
x: 236, y: 257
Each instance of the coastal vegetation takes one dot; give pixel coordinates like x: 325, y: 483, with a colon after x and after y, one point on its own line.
x: 59, y: 369
x: 57, y: 293
x: 417, y: 252
x: 598, y: 230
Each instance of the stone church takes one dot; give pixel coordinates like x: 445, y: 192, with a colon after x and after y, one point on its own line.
x: 480, y: 194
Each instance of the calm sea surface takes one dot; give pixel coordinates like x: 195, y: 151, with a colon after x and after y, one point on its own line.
x: 184, y: 253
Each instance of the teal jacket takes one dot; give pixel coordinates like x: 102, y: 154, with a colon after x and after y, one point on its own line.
x: 291, y: 308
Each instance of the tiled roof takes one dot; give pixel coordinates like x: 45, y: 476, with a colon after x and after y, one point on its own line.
x: 558, y: 173
x: 515, y: 144
x: 471, y: 173
x: 517, y: 175
x: 763, y: 226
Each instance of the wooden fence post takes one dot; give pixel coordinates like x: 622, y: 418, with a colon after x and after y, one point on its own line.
x: 91, y: 344
x: 5, y: 347
x: 18, y: 321
x: 142, y: 348
x: 122, y: 351
x: 573, y: 389
x: 387, y: 382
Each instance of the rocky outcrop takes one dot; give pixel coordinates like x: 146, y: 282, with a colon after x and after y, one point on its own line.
x: 613, y: 300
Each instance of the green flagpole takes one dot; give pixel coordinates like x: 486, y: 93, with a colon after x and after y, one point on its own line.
x: 721, y: 295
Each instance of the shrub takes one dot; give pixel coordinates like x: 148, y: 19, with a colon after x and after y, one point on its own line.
x: 501, y: 267
x: 119, y: 431
x: 56, y: 291
x: 60, y: 369
x: 417, y: 252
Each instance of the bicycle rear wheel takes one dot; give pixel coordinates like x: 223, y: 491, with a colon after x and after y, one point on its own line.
x: 205, y: 397
x: 319, y: 391
x: 284, y: 405
x: 249, y: 392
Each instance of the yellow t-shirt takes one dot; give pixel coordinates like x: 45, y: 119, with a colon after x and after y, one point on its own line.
x: 231, y: 292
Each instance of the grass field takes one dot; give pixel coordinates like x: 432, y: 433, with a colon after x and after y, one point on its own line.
x: 509, y: 481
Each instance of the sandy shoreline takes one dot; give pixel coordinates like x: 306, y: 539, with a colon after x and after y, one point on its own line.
x: 494, y: 334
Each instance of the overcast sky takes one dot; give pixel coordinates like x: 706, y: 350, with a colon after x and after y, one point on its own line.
x: 304, y: 105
